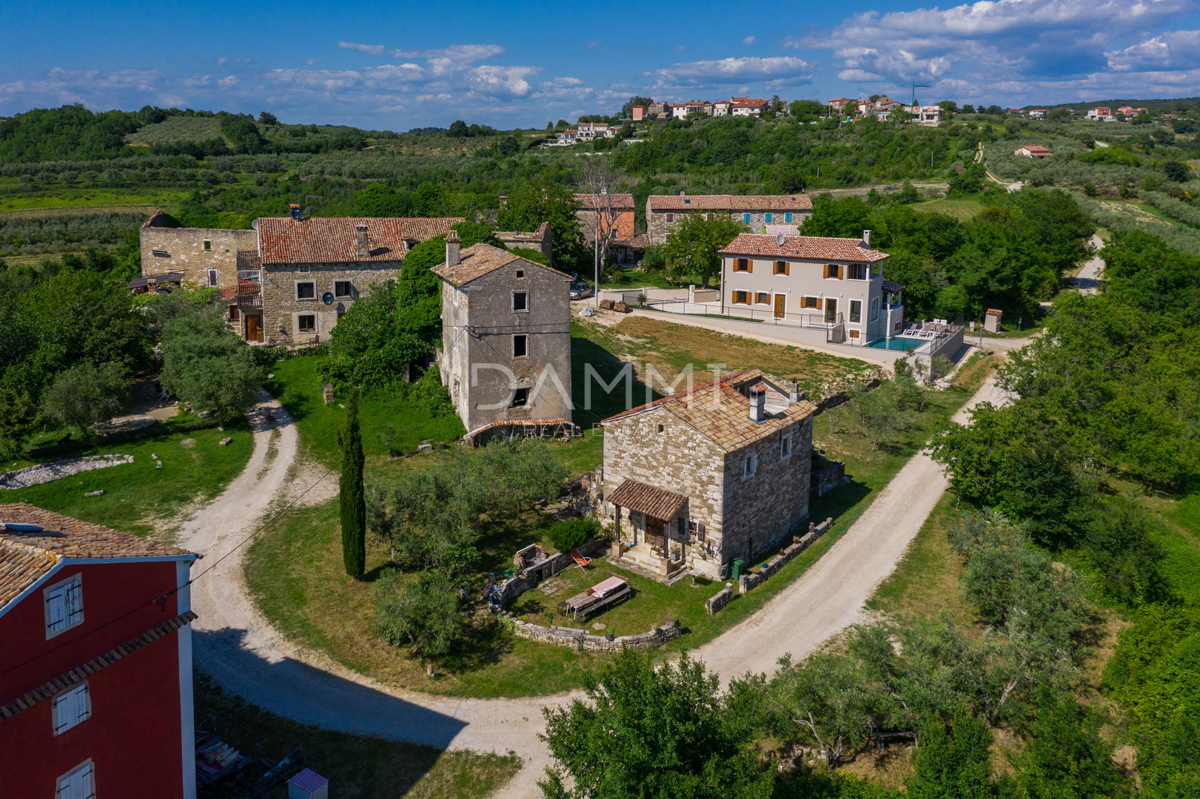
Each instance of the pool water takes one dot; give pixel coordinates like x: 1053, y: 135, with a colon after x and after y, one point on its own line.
x: 899, y: 344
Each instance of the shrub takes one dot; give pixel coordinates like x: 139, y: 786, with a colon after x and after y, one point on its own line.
x: 570, y: 534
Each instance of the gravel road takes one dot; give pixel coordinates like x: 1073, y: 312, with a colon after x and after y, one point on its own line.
x: 246, y: 656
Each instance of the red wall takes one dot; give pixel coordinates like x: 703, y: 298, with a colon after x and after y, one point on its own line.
x: 133, y: 736
x: 109, y: 591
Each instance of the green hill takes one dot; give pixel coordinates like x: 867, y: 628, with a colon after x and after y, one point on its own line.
x: 176, y: 129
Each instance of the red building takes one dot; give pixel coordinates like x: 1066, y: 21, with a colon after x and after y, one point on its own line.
x: 95, y: 662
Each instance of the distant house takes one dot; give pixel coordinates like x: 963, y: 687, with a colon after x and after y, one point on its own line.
x: 1038, y: 113
x: 885, y: 103
x: 1127, y: 111
x: 665, y: 211
x: 1017, y: 111
x: 930, y: 115
x: 660, y: 110
x: 746, y: 107
x: 1100, y: 113
x: 1033, y: 151
x: 721, y: 108
x: 638, y: 112
x: 1169, y: 116
x: 839, y: 104
x: 696, y: 107
x: 609, y: 213
x: 593, y: 130
x: 506, y: 338
x: 96, y: 664
x: 568, y: 137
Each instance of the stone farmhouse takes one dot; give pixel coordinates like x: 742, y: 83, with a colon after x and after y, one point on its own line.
x: 506, y: 338
x: 289, y: 281
x: 665, y: 211
x: 815, y: 281
x: 708, y: 475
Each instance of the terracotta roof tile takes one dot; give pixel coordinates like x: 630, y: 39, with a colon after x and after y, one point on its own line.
x: 655, y: 502
x: 477, y: 261
x: 731, y: 202
x: 25, y: 557
x: 820, y: 248
x: 720, y: 410
x: 283, y: 240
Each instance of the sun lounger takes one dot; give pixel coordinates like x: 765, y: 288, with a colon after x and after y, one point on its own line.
x: 580, y: 559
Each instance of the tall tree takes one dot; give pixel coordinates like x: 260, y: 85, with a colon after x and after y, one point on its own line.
x: 691, y: 248
x: 529, y: 206
x: 351, y: 494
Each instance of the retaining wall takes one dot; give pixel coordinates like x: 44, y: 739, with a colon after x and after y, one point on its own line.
x: 749, y: 581
x: 504, y: 592
x: 720, y: 599
x: 585, y: 642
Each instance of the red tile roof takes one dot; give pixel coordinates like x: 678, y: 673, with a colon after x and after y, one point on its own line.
x: 26, y: 556
x: 720, y: 411
x: 283, y: 240
x: 654, y: 502
x: 819, y: 248
x: 730, y: 202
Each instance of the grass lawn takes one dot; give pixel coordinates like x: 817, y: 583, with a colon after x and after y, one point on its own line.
x: 138, y: 497
x: 357, y: 765
x: 961, y: 210
x: 294, y: 569
x: 616, y: 278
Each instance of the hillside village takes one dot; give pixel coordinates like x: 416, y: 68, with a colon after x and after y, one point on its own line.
x: 857, y: 439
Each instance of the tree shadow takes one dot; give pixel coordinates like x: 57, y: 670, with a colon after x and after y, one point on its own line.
x: 595, y: 403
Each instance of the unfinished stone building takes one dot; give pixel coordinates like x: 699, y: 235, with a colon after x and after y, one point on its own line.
x: 506, y: 338
x: 541, y: 240
x: 204, y: 256
x: 706, y: 476
x: 665, y: 211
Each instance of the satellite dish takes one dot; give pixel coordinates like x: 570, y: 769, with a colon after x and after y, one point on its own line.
x: 254, y: 225
x: 327, y: 298
x: 779, y: 239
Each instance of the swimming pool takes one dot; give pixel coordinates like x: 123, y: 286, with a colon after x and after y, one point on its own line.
x: 899, y: 343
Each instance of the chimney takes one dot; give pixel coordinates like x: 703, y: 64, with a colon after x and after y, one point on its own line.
x: 295, y: 211
x: 758, y: 403
x: 452, y: 244
x: 364, y: 249
x: 683, y: 194
x: 867, y: 237
x: 794, y: 392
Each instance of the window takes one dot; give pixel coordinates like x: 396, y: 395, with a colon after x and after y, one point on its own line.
x: 762, y: 298
x: 212, y: 277
x: 811, y: 302
x: 343, y: 288
x: 670, y: 218
x: 520, y: 301
x: 64, y: 605
x: 746, y: 218
x: 306, y: 290
x: 860, y: 272
x: 768, y: 218
x: 855, y: 310
x: 306, y: 323
x: 207, y: 244
x: 833, y: 270
x: 71, y: 707
x: 78, y: 783
x: 741, y: 265
x: 662, y: 428
x: 520, y: 398
x: 741, y: 298
x: 751, y: 464
x: 785, y: 446
x: 787, y: 218
x: 853, y: 334
x: 520, y: 345
x: 233, y: 313
x: 781, y: 267
x: 520, y: 273
x: 874, y: 309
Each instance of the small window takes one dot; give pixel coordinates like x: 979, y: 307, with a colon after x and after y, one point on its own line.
x: 874, y: 309
x: 520, y: 301
x: 343, y: 288
x: 769, y: 218
x: 746, y: 218
x: 741, y: 298
x: 212, y: 278
x: 785, y: 446
x: 302, y: 268
x: 306, y: 290
x: 833, y: 270
x: 64, y: 605
x: 741, y: 264
x: 662, y: 428
x: 853, y: 334
x: 762, y: 298
x: 670, y: 218
x: 306, y: 323
x: 860, y: 272
x: 520, y: 398
x: 781, y: 267
x: 787, y: 218
x: 79, y: 783
x: 855, y: 310
x: 811, y: 302
x: 751, y: 464
x: 520, y: 345
x: 71, y: 708
x: 520, y: 273
x: 207, y: 244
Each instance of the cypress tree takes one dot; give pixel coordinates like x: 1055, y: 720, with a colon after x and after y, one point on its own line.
x: 350, y: 493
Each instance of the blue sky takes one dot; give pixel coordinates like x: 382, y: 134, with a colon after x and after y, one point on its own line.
x: 408, y: 64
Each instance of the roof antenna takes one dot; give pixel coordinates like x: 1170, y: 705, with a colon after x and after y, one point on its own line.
x: 779, y: 239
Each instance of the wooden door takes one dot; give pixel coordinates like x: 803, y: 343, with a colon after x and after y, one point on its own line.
x: 254, y: 331
x: 656, y: 534
x: 780, y: 305
x: 831, y: 310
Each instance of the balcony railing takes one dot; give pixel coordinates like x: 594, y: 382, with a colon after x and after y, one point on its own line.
x: 249, y: 294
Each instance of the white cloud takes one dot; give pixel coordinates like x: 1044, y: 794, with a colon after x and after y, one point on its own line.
x: 466, y: 53
x: 749, y: 40
x: 858, y: 76
x: 733, y: 70
x: 230, y: 82
x: 1172, y: 50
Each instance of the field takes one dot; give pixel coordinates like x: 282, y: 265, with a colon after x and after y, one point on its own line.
x: 961, y: 210
x: 176, y: 129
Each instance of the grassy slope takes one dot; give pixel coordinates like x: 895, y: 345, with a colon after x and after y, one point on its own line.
x: 176, y: 129
x: 961, y: 210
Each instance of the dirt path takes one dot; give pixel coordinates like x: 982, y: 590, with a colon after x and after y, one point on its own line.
x: 248, y: 657
x: 1088, y: 278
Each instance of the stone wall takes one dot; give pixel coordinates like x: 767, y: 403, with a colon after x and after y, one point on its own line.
x: 281, y: 309
x: 748, y: 581
x: 659, y: 228
x: 185, y: 250
x: 584, y: 642
x: 502, y: 593
x: 719, y: 600
x: 828, y: 479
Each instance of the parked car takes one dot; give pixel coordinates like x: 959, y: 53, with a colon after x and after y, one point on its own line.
x: 580, y: 290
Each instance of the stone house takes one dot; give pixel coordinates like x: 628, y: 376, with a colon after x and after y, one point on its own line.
x: 708, y: 475
x: 540, y: 240
x: 665, y: 211
x: 204, y: 256
x: 506, y: 338
x: 816, y: 281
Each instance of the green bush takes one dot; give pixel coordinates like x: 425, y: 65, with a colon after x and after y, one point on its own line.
x: 571, y: 534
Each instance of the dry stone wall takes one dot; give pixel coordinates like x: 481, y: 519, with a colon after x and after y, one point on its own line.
x: 584, y: 642
x: 749, y: 581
